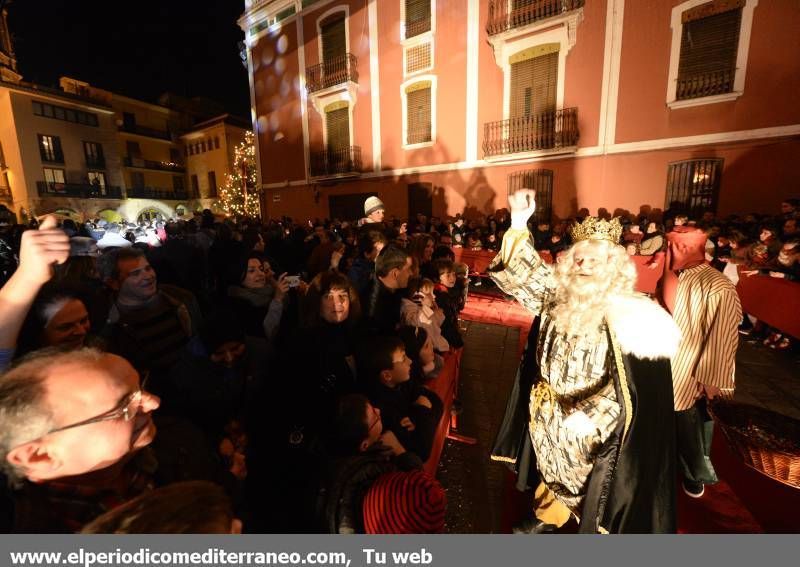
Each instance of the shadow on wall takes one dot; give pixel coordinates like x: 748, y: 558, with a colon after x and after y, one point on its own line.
x: 756, y: 180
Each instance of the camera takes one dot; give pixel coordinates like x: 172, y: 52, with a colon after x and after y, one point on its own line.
x: 293, y: 281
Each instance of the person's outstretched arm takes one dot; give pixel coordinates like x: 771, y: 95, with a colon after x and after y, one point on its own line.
x: 38, y: 251
x: 519, y: 270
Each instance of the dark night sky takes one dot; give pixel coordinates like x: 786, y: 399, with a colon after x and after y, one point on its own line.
x: 135, y: 48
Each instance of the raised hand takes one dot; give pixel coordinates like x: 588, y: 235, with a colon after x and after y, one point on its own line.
x: 40, y: 249
x: 522, y: 204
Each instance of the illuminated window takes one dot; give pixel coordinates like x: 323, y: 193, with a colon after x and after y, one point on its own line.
x: 693, y: 186
x: 50, y: 149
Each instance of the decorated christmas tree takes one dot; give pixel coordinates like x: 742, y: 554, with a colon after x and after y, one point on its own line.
x: 239, y: 197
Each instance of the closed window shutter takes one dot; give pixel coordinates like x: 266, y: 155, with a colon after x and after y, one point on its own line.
x: 418, y: 102
x: 338, y: 124
x: 533, y: 86
x: 418, y: 17
x: 334, y: 38
x: 418, y: 58
x: 708, y: 55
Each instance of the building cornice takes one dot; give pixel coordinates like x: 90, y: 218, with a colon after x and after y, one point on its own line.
x: 58, y: 96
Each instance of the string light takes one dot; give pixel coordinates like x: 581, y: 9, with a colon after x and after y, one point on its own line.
x: 239, y: 197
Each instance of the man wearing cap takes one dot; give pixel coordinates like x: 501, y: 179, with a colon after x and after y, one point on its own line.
x: 601, y: 419
x: 374, y: 210
x: 706, y: 307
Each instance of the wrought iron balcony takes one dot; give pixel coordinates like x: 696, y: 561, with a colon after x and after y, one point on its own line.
x: 509, y: 14
x: 80, y: 190
x: 145, y: 131
x: 336, y: 71
x: 545, y: 131
x: 157, y: 193
x: 336, y: 163
x: 151, y: 164
x: 706, y: 84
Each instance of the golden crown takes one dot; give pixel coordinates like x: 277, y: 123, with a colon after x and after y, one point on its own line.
x: 594, y: 228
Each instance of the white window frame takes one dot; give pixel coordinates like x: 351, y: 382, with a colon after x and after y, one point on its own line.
x: 415, y: 42
x: 340, y: 8
x: 428, y: 34
x: 404, y: 104
x: 325, y: 122
x: 745, y: 32
x: 558, y: 35
x: 62, y: 171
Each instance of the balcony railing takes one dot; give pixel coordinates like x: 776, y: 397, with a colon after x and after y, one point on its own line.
x: 545, y: 131
x: 706, y: 84
x: 329, y: 163
x: 151, y: 164
x: 157, y: 193
x: 80, y: 190
x: 336, y: 71
x: 509, y: 14
x: 145, y: 131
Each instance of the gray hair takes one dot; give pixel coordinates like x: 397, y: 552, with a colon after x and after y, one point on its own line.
x: 24, y: 415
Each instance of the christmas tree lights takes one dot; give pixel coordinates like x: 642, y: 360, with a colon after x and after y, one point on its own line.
x: 240, y: 196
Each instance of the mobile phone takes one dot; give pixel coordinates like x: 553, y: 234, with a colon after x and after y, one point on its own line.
x: 293, y: 281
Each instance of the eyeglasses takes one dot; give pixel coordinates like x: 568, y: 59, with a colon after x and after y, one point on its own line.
x: 126, y: 410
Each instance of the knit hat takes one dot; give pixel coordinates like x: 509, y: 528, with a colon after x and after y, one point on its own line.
x: 371, y: 205
x: 404, y: 503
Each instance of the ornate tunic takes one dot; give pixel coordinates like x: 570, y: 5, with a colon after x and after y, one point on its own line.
x: 573, y: 407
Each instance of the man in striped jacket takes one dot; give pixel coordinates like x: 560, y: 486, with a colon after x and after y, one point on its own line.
x: 706, y: 307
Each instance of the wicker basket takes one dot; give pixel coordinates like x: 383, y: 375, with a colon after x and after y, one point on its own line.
x: 766, y: 441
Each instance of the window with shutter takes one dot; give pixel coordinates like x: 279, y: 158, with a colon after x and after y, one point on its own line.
x: 532, y: 101
x: 338, y: 125
x: 337, y: 122
x: 334, y: 38
x: 418, y: 17
x: 534, y: 83
x: 709, y: 45
x: 418, y: 113
x: 693, y: 186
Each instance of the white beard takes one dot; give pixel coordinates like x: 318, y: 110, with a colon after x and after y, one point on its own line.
x: 580, y: 308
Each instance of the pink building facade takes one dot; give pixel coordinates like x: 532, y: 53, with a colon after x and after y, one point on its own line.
x: 443, y: 106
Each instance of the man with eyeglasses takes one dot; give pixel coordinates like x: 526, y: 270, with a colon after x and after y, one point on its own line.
x: 71, y: 425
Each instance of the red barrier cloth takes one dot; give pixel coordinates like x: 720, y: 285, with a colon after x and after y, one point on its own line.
x: 445, y: 386
x: 772, y: 300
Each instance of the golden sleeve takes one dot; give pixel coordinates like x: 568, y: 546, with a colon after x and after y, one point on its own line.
x: 519, y: 271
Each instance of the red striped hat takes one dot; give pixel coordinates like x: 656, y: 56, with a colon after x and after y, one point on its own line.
x: 404, y: 503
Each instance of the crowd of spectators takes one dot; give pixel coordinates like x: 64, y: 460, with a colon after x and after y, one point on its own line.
x: 287, y: 363
x: 275, y: 370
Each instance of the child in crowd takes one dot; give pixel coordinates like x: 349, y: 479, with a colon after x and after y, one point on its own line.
x: 425, y: 363
x: 419, y: 309
x: 407, y: 409
x: 450, y: 299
